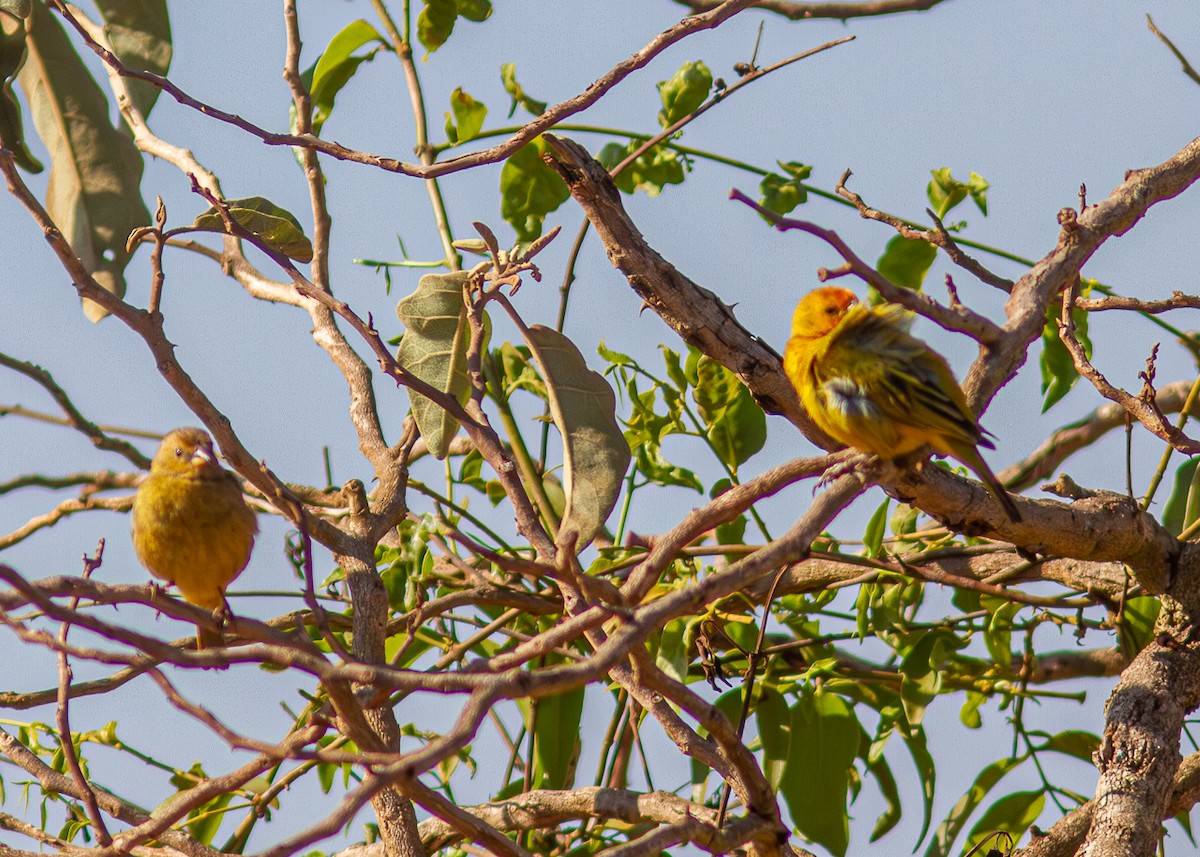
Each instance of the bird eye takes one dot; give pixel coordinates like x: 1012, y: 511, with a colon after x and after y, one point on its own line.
x: 831, y: 310
x: 179, y: 452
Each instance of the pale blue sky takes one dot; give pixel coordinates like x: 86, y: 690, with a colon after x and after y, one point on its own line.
x: 1036, y: 97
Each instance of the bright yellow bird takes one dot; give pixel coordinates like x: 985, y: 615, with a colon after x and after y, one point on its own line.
x: 191, y: 526
x: 869, y: 383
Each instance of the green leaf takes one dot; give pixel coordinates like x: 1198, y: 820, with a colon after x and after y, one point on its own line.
x: 906, y: 261
x: 336, y: 65
x: 595, y: 453
x: 675, y: 369
x: 1058, y: 369
x: 823, y: 747
x: 468, y: 117
x: 274, y: 226
x: 942, y: 843
x: 518, y: 372
x: 945, y: 192
x: 653, y: 466
x: 775, y: 731
x: 918, y: 748
x: 1183, y: 506
x: 780, y: 194
x: 93, y: 194
x: 1013, y: 814
x: 1073, y: 742
x: 508, y: 76
x: 208, y: 818
x: 672, y: 650
x: 12, y: 126
x: 998, y: 633
x: 977, y: 187
x: 556, y: 738
x: 876, y: 527
x: 650, y: 172
x: 922, y: 678
x: 434, y: 348
x: 968, y: 715
x: 1136, y: 628
x: 474, y: 10
x: 888, y: 788
x: 684, y: 92
x: 140, y: 34
x: 529, y: 190
x: 737, y: 426
x: 436, y: 23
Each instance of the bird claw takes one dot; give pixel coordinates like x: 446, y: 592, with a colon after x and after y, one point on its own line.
x: 839, y: 469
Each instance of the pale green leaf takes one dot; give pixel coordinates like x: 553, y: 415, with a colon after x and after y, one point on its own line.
x: 140, y: 34
x: 595, y: 452
x: 275, y: 226
x: 95, y: 170
x: 434, y: 348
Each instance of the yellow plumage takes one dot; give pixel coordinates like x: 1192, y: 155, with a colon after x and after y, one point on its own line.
x: 867, y: 382
x: 191, y: 526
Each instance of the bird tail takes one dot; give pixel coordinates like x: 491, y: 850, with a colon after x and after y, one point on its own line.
x: 993, y: 485
x: 206, y: 638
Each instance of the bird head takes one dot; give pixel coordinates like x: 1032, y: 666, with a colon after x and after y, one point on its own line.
x: 820, y: 311
x: 186, y: 452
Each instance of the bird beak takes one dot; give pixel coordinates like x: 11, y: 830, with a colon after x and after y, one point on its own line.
x: 202, y: 456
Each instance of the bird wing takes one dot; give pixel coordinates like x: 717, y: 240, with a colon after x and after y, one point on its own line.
x: 892, y: 387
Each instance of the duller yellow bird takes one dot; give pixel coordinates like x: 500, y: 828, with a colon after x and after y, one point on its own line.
x: 191, y: 526
x: 869, y: 383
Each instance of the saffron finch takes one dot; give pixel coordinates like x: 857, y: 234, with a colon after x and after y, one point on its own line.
x: 867, y: 382
x: 191, y: 526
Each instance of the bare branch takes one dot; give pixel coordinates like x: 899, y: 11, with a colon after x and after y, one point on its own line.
x: 797, y: 11
x: 74, y: 418
x: 688, y: 26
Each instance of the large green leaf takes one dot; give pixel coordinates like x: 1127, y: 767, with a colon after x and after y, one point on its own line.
x: 556, y: 738
x: 277, y: 227
x: 906, y: 261
x: 437, y: 19
x: 1059, y: 374
x: 774, y: 722
x: 649, y: 172
x: 684, y: 92
x: 781, y: 194
x: 336, y: 66
x: 434, y: 348
x: 1183, y: 506
x: 950, y: 828
x: 140, y: 34
x: 95, y: 170
x: 1012, y: 814
x: 467, y: 118
x: 737, y: 426
x: 824, y: 745
x: 12, y: 126
x: 595, y: 452
x: 529, y: 190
